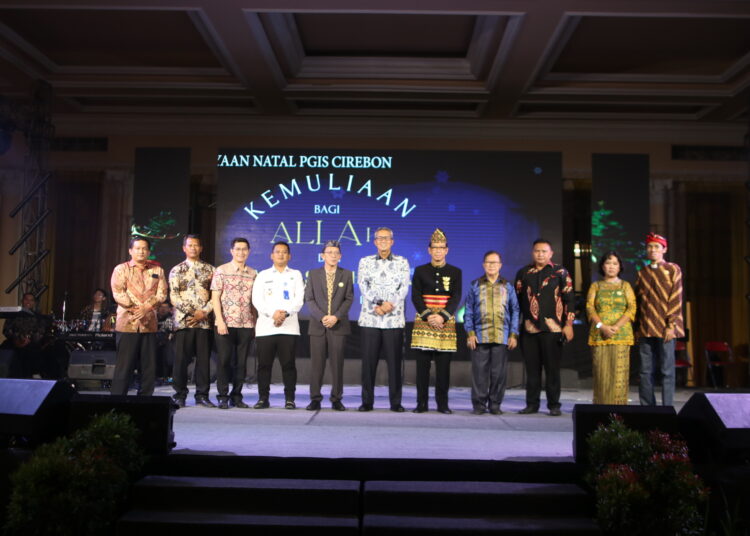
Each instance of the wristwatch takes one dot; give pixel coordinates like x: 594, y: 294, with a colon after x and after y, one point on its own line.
x: 598, y: 325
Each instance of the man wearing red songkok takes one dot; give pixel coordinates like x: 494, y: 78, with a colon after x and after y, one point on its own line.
x: 659, y: 293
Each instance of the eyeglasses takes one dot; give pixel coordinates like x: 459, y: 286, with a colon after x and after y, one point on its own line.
x: 383, y: 238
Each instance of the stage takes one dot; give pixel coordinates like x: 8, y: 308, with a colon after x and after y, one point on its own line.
x: 382, y: 434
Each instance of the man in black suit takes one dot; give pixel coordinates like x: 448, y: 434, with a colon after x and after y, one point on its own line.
x: 328, y: 295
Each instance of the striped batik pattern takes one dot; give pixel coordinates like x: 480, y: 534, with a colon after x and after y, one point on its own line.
x: 659, y: 290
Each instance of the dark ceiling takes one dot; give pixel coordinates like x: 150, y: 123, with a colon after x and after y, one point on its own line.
x: 673, y: 60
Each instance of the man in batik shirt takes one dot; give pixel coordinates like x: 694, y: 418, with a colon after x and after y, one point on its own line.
x: 384, y: 283
x: 435, y: 293
x: 231, y: 293
x: 138, y: 287
x: 545, y: 294
x: 190, y: 294
x: 659, y: 294
x: 491, y: 321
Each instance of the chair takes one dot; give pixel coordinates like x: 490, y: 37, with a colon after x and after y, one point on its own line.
x: 718, y: 356
x: 681, y: 361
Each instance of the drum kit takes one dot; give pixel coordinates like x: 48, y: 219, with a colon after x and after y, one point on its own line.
x: 82, y: 334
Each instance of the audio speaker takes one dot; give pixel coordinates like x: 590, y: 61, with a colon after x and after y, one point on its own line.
x: 96, y: 365
x: 586, y: 418
x: 717, y: 427
x: 33, y: 411
x: 153, y: 415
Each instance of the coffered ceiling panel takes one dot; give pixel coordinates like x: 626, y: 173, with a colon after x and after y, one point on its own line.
x: 445, y: 36
x: 114, y: 38
x: 686, y: 61
x: 663, y: 47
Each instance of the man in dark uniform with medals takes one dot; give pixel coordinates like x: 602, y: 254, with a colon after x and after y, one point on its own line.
x: 436, y: 293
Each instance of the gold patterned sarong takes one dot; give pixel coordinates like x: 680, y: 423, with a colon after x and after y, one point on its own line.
x: 611, y: 371
x: 425, y: 337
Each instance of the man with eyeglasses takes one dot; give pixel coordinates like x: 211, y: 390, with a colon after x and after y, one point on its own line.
x: 231, y: 295
x: 384, y: 283
x: 435, y: 293
x: 328, y: 295
x: 491, y: 321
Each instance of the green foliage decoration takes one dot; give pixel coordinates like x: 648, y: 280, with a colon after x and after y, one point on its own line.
x: 607, y: 233
x: 76, y: 486
x: 644, y: 483
x: 157, y: 229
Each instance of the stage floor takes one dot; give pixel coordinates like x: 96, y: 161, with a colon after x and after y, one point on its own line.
x: 382, y: 434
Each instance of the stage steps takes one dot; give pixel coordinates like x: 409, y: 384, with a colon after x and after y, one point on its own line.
x: 195, y: 505
x: 507, y: 508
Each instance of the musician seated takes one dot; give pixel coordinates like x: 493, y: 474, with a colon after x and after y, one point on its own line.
x: 29, y: 337
x: 97, y: 316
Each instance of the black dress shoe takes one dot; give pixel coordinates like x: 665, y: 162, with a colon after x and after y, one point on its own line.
x: 262, y: 403
x: 313, y: 406
x: 180, y: 402
x: 478, y: 410
x: 223, y: 404
x: 291, y: 405
x: 555, y: 412
x: 365, y: 407
x: 238, y: 404
x: 398, y: 409
x: 205, y: 402
x: 446, y: 410
x: 495, y: 410
x: 528, y: 410
x: 338, y: 406
x: 419, y: 409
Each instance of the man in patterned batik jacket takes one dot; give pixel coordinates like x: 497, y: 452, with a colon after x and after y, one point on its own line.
x: 545, y: 295
x: 231, y: 294
x: 384, y: 283
x: 491, y: 322
x: 138, y: 287
x: 190, y: 294
x: 659, y: 294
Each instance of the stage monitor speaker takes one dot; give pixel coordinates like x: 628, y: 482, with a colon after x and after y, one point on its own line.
x: 586, y: 418
x: 33, y: 411
x: 717, y: 427
x: 153, y: 415
x: 94, y: 365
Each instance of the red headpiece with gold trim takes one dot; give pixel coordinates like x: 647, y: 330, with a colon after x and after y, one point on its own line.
x: 659, y: 239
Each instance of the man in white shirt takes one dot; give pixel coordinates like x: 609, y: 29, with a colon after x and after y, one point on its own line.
x: 278, y: 295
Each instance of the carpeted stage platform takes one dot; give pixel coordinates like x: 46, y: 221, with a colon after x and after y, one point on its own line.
x: 381, y: 434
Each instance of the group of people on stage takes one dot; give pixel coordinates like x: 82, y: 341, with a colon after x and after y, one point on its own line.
x: 234, y: 304
x: 238, y: 304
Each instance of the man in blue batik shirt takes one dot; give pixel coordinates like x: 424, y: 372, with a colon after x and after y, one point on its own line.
x: 491, y: 321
